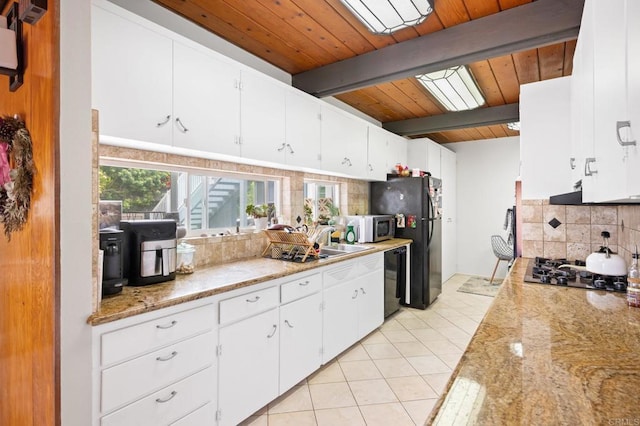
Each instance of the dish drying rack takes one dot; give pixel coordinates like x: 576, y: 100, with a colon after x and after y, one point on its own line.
x: 293, y: 242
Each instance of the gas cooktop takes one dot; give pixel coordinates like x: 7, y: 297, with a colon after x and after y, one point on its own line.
x: 548, y: 271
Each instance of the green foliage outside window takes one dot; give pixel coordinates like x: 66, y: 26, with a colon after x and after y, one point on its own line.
x: 139, y: 189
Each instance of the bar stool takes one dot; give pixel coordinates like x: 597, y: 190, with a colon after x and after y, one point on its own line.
x: 502, y: 250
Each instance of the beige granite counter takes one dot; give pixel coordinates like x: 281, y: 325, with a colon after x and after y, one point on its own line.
x: 548, y: 355
x: 213, y: 280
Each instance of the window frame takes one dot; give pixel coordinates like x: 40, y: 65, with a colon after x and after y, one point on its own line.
x: 208, y: 173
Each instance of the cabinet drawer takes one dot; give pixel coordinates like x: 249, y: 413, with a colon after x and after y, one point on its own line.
x: 248, y: 304
x: 130, y: 380
x: 169, y: 404
x: 371, y: 263
x: 299, y: 288
x: 346, y: 271
x: 202, y: 416
x: 129, y: 342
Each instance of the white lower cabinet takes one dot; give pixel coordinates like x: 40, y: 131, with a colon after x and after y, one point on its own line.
x: 353, y: 303
x: 204, y: 415
x: 248, y: 376
x: 157, y: 368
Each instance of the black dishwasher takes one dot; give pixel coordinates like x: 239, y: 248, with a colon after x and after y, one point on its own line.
x: 395, y: 279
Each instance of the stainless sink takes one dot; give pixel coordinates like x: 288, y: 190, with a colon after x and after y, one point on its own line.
x: 342, y: 249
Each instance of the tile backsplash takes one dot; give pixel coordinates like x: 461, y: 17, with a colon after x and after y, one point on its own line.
x: 573, y: 232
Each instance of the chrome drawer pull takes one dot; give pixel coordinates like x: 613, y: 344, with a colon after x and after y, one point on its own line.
x: 162, y: 123
x: 362, y: 290
x: 254, y: 300
x: 355, y: 294
x: 306, y: 283
x: 273, y: 332
x: 164, y: 327
x: 182, y: 128
x: 287, y: 322
x: 167, y: 399
x: 168, y: 357
x: 621, y: 125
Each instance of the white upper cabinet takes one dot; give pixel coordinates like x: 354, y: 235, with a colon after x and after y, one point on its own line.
x: 433, y: 159
x: 377, y: 153
x: 633, y: 95
x: 131, y: 79
x: 397, y: 151
x: 344, y: 142
x: 303, y: 127
x: 545, y: 138
x: 206, y: 102
x: 262, y: 107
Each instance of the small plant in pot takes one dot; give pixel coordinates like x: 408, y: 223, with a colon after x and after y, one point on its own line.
x: 259, y: 214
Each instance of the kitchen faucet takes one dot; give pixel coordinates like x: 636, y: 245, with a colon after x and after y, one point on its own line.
x: 328, y: 230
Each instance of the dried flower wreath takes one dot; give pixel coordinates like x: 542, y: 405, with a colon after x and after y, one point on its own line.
x: 16, y: 184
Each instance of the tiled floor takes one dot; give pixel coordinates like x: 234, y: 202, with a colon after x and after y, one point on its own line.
x: 393, y: 376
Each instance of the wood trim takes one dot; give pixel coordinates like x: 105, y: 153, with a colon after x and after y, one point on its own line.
x: 536, y: 24
x: 30, y: 278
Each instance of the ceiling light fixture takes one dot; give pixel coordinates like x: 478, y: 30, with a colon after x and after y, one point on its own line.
x: 387, y: 16
x: 515, y: 126
x: 455, y: 88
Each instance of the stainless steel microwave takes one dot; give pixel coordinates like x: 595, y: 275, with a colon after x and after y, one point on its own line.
x: 373, y: 228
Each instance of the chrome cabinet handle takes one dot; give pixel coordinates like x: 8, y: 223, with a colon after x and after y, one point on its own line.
x: 164, y: 327
x: 182, y: 128
x: 346, y: 161
x: 572, y: 163
x: 288, y: 324
x: 587, y: 167
x: 362, y: 290
x: 622, y: 125
x: 167, y: 399
x: 168, y: 357
x: 304, y: 283
x: 355, y: 294
x: 282, y: 147
x: 254, y: 300
x: 273, y: 332
x: 291, y: 151
x: 162, y: 123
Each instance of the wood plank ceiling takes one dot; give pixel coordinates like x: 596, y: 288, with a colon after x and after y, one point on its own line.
x: 301, y: 35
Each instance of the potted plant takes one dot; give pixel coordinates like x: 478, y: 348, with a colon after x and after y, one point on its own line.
x: 259, y: 214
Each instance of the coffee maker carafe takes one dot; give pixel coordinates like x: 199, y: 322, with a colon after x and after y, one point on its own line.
x: 150, y: 250
x: 111, y: 243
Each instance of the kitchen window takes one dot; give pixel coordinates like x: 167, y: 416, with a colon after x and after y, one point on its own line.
x: 203, y: 201
x: 321, y: 201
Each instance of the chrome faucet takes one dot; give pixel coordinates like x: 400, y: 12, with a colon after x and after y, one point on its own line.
x: 328, y: 230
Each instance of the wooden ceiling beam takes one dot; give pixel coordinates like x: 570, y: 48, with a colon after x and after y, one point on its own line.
x: 455, y: 120
x: 535, y: 24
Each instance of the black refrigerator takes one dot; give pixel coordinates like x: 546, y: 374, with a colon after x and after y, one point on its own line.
x: 417, y: 204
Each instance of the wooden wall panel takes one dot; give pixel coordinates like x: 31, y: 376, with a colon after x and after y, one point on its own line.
x: 29, y: 277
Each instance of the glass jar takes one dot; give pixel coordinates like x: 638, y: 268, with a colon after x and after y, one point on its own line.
x: 185, y: 262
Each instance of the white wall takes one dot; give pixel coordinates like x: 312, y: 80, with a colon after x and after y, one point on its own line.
x: 487, y: 172
x: 75, y: 212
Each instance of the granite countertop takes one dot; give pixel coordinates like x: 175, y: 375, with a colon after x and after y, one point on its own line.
x: 548, y: 355
x: 213, y: 280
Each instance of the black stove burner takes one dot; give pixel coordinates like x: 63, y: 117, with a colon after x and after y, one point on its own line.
x: 548, y: 271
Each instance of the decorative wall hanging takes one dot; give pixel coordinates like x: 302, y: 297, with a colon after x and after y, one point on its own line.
x: 16, y: 183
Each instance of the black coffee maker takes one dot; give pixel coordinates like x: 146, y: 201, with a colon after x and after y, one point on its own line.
x: 112, y: 245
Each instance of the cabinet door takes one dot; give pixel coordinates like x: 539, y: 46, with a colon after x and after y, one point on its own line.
x: 262, y: 118
x: 339, y: 319
x: 344, y: 143
x: 370, y: 300
x: 633, y: 95
x: 417, y: 152
x: 433, y: 159
x: 131, y: 70
x: 248, y: 375
x: 377, y: 153
x: 449, y: 207
x: 206, y: 100
x: 300, y: 340
x: 397, y: 149
x: 302, y: 130
x: 609, y: 98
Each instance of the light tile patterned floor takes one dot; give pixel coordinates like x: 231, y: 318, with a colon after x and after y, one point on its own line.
x: 393, y: 376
